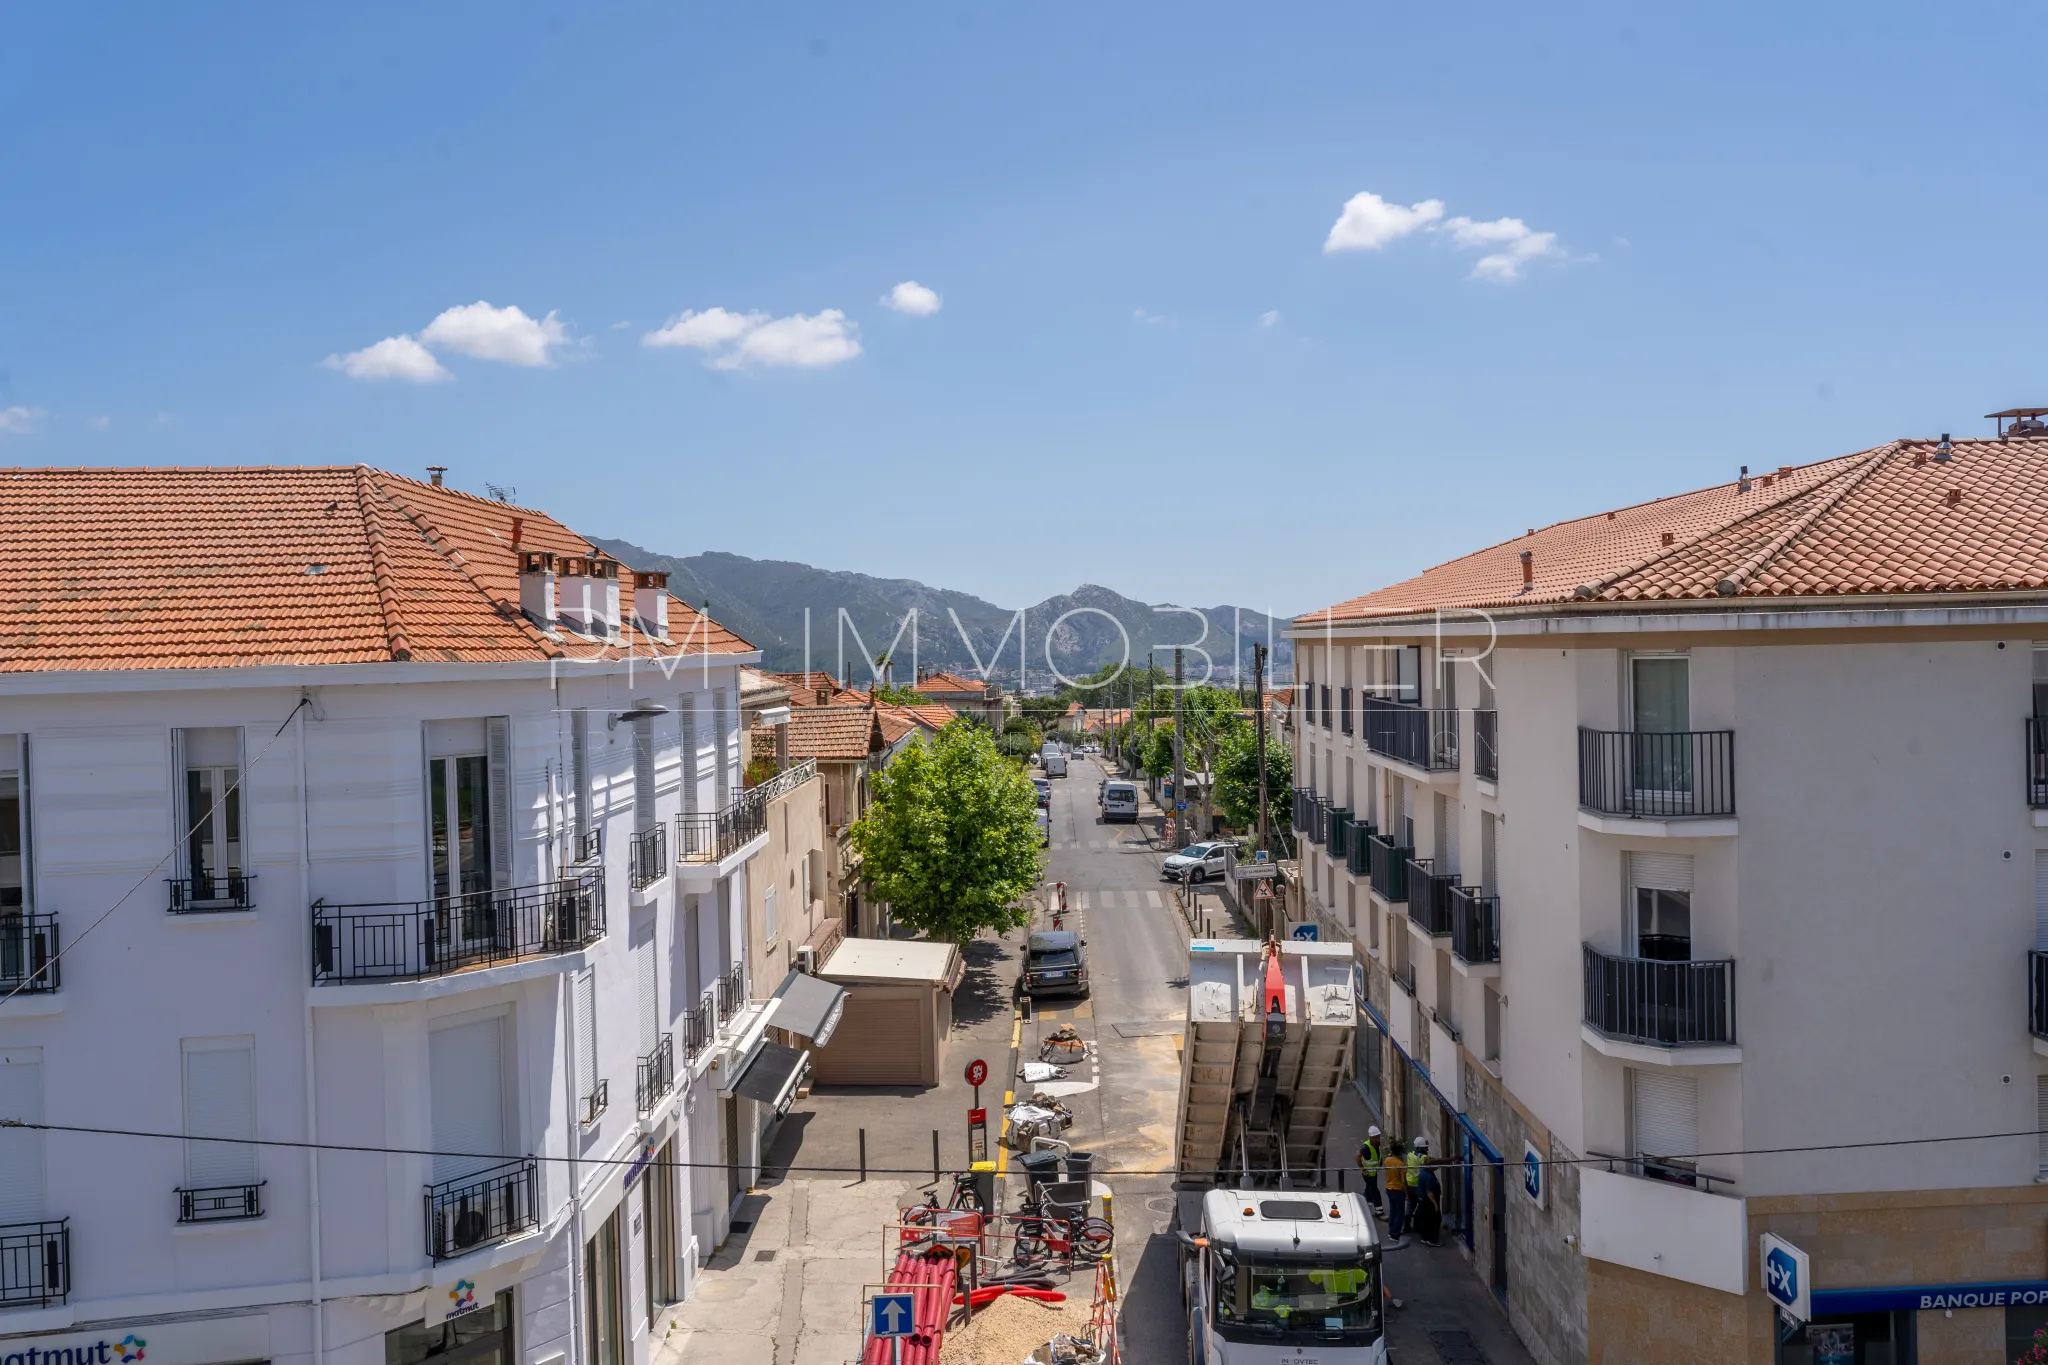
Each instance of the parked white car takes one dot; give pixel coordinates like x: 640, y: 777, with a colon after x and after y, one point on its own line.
x: 1196, y: 862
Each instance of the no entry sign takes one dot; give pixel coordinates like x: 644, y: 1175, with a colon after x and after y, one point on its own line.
x: 977, y: 1072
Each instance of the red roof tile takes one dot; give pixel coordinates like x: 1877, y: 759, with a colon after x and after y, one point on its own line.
x: 833, y: 732
x: 940, y: 683
x: 1890, y: 520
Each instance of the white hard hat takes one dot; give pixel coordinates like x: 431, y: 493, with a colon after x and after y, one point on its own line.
x: 1422, y: 1144
x: 1372, y: 1130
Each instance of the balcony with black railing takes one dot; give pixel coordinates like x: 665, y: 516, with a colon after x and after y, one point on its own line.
x: 207, y: 894
x: 1475, y: 926
x: 655, y: 1074
x: 483, y: 1207
x: 29, y: 956
x: 1660, y: 1003
x: 647, y: 857
x: 1420, y: 736
x: 1357, y: 857
x: 596, y: 1102
x: 35, y: 1263
x: 1685, y: 774
x: 1389, y: 868
x: 785, y: 782
x: 1486, y: 745
x: 711, y: 836
x: 1336, y: 825
x: 418, y: 940
x: 2037, y: 993
x: 220, y: 1203
x: 2037, y: 762
x: 1302, y: 797
x: 731, y: 990
x: 588, y: 846
x: 1429, y: 897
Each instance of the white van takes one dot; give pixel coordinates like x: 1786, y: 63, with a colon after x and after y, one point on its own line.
x: 1120, y: 802
x: 1055, y: 763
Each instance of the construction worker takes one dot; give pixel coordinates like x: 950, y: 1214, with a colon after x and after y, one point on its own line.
x: 1369, y: 1167
x: 1394, y: 1172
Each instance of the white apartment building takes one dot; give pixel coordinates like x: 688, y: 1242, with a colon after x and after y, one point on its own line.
x: 373, y: 859
x: 1696, y: 859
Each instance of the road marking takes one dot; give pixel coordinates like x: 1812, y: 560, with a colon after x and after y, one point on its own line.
x: 1152, y: 898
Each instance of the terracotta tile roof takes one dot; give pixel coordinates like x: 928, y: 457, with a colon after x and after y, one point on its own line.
x: 940, y: 683
x: 935, y: 715
x: 805, y: 687
x: 111, y: 569
x: 1889, y: 520
x: 833, y: 732
x: 895, y: 723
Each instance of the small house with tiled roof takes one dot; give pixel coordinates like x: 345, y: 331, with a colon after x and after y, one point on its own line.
x: 1697, y: 852
x: 981, y: 699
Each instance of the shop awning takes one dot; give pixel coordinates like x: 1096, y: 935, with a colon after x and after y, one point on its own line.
x: 773, y: 1075
x: 808, y: 1006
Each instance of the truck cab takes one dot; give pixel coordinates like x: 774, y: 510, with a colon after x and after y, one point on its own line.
x: 1281, y: 1275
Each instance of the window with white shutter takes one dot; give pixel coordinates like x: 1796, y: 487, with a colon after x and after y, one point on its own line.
x: 220, y: 1112
x: 1661, y: 905
x: 498, y: 753
x: 587, y: 1079
x: 692, y: 753
x: 579, y: 772
x: 466, y: 1077
x: 768, y: 915
x: 21, y: 1149
x: 1664, y: 1121
x: 647, y: 969
x: 643, y: 773
x: 722, y: 740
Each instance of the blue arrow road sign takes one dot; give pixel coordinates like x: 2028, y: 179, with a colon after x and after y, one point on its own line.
x: 891, y: 1315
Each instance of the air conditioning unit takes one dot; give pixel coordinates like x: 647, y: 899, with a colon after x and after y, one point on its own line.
x: 807, y: 959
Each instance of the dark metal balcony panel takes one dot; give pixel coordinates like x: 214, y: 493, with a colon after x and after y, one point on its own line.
x: 647, y: 857
x: 1475, y: 926
x: 2037, y: 762
x: 2037, y: 994
x: 1486, y: 745
x: 1429, y: 897
x: 220, y: 1203
x: 1357, y: 857
x: 1338, y: 823
x: 204, y: 895
x: 416, y: 940
x: 35, y: 1262
x: 1680, y: 775
x: 1662, y: 1004
x: 1389, y: 868
x: 655, y: 1074
x: 487, y: 1206
x: 30, y: 960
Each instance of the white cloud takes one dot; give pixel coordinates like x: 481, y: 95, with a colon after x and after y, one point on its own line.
x: 102, y: 422
x: 1149, y: 319
x: 20, y: 421
x: 398, y: 357
x: 1516, y: 241
x: 1270, y: 318
x: 1369, y: 222
x: 914, y: 299
x: 740, y: 340
x: 506, y: 335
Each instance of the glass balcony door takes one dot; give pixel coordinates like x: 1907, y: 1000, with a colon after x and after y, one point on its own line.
x: 213, y: 836
x: 459, y: 813
x: 1660, y: 704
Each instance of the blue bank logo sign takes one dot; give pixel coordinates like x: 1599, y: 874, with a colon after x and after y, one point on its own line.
x: 1788, y: 1278
x: 1533, y: 1173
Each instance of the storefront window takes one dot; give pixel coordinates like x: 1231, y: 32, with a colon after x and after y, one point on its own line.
x: 2026, y: 1329
x: 604, y: 1289
x: 480, y: 1337
x: 1851, y: 1339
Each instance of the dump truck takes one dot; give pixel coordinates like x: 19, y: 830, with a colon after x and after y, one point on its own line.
x: 1277, y: 1262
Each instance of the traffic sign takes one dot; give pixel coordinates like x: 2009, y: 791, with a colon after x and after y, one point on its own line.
x: 1265, y: 892
x: 1787, y: 1277
x: 1252, y: 871
x: 977, y: 1072
x: 1180, y: 805
x: 892, y: 1315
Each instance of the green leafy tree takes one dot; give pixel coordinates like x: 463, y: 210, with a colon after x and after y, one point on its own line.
x: 1157, y: 757
x: 950, y: 840
x: 1237, y: 778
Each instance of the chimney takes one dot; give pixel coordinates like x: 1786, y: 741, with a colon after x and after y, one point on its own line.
x: 574, y: 576
x: 518, y: 528
x: 824, y: 696
x: 1944, y: 451
x: 604, y: 596
x: 1955, y: 497
x: 650, y: 603
x: 1667, y: 538
x: 434, y: 473
x: 1528, y: 569
x: 537, y: 588
x: 1742, y: 483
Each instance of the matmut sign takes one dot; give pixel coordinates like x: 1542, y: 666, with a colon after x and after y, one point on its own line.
x: 197, y: 1341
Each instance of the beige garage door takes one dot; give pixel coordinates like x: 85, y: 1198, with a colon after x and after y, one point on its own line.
x: 879, y: 1041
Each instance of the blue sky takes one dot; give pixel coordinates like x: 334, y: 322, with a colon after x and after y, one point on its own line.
x: 1775, y: 234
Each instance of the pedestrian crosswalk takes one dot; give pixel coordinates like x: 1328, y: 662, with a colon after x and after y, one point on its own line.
x: 1129, y: 899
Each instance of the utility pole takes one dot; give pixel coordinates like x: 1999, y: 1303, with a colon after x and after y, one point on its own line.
x: 1180, y: 775
x: 1151, y: 693
x: 1259, y: 723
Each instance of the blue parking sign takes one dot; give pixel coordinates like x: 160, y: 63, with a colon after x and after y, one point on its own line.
x: 892, y: 1315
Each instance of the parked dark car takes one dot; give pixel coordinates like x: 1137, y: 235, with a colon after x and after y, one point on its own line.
x: 1055, y: 964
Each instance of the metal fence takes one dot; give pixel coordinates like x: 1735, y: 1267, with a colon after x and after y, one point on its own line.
x: 1475, y: 925
x: 410, y: 940
x: 655, y: 1074
x: 29, y: 959
x: 1486, y: 745
x: 1422, y: 737
x: 699, y: 1025
x: 1336, y: 825
x: 220, y: 1203
x: 35, y: 1262
x: 1683, y: 773
x: 647, y: 857
x: 203, y: 895
x: 1666, y: 1004
x: 732, y: 991
x: 786, y: 781
x: 1389, y: 868
x: 1357, y: 857
x: 484, y: 1206
x: 708, y: 836
x: 1429, y: 897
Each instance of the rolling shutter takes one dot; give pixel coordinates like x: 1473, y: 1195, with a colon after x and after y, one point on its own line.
x: 1666, y: 1114
x: 585, y: 987
x: 878, y: 1042
x: 21, y: 1149
x: 220, y: 1102
x: 643, y: 773
x: 2041, y: 899
x: 648, y: 970
x: 579, y: 770
x: 1660, y: 871
x: 692, y: 753
x: 498, y: 754
x: 466, y: 1067
x: 722, y: 742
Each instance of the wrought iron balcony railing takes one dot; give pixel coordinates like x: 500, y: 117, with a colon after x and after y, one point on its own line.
x: 785, y: 782
x: 415, y: 940
x: 732, y: 992
x: 708, y: 836
x: 1661, y: 1003
x: 483, y: 1207
x: 220, y: 1203
x: 699, y: 1027
x: 1661, y: 776
x: 647, y: 857
x: 596, y: 1102
x: 1475, y: 925
x: 204, y: 894
x: 35, y: 1262
x: 655, y: 1074
x: 29, y: 960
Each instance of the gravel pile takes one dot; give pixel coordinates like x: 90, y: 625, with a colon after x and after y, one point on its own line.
x: 1011, y: 1328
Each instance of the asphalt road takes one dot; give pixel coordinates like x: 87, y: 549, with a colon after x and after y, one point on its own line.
x: 1124, y: 1096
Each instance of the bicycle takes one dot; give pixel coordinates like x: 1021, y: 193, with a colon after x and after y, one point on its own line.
x: 1049, y: 1240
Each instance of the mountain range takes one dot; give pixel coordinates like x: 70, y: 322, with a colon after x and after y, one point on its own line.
x: 853, y: 617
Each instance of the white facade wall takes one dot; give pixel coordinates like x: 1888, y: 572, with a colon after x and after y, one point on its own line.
x: 139, y: 981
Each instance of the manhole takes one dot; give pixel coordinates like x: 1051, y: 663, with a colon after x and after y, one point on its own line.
x: 764, y: 1255
x: 1455, y: 1347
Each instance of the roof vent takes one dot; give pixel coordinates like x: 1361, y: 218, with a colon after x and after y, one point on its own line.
x: 1667, y: 537
x: 1742, y: 483
x: 1955, y: 497
x: 1528, y: 569
x: 434, y: 473
x: 2026, y: 424
x: 1943, y: 452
